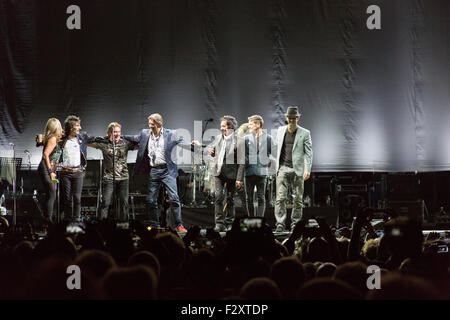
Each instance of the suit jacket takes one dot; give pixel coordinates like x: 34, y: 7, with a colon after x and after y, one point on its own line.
x: 258, y: 159
x: 302, y: 153
x: 234, y: 164
x: 142, y: 165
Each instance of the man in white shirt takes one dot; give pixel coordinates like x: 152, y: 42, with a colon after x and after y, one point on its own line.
x: 155, y: 158
x: 73, y: 166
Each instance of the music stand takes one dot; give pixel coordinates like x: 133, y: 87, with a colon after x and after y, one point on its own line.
x: 17, y: 163
x: 58, y: 199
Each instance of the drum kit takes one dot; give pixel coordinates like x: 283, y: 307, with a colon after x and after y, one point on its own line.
x: 202, y: 182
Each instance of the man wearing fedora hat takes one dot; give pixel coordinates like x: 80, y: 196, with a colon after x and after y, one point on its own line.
x: 293, y: 167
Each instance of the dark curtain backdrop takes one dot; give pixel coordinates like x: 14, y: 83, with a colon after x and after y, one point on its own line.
x: 373, y: 99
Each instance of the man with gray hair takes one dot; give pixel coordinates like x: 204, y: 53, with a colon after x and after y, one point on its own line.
x: 293, y: 167
x: 228, y: 151
x: 155, y: 158
x: 258, y: 147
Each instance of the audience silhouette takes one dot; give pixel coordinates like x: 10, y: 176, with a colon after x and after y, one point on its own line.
x: 247, y: 263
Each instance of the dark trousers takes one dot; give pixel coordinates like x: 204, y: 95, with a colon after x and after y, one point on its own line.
x: 50, y: 191
x: 121, y: 189
x: 71, y: 188
x: 260, y: 183
x: 156, y: 178
x: 242, y: 194
x: 224, y: 212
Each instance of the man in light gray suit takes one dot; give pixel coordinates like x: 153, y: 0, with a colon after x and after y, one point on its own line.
x: 293, y: 167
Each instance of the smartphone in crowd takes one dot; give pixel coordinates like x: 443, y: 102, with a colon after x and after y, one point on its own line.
x: 250, y: 224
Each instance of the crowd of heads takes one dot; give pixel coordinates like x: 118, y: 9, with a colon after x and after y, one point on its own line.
x: 138, y: 263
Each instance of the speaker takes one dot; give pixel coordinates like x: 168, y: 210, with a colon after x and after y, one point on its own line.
x: 26, y: 205
x: 350, y: 197
x: 403, y: 186
x: 413, y: 209
x: 92, y: 175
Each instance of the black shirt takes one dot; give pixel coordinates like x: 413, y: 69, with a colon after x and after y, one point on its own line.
x: 120, y: 160
x: 286, y: 149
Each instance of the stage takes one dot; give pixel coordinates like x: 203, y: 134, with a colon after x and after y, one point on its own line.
x: 332, y: 195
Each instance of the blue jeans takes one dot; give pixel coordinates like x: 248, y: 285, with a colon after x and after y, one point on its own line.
x: 156, y: 177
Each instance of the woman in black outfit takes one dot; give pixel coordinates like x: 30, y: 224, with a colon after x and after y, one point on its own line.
x: 47, y: 167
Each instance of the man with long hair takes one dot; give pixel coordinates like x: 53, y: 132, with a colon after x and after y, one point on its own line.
x: 74, y: 162
x: 228, y: 151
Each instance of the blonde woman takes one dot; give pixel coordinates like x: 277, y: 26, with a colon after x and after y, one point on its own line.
x: 47, y: 166
x: 243, y: 130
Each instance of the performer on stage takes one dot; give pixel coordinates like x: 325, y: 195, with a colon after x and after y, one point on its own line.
x: 258, y: 149
x: 229, y: 171
x: 47, y: 167
x: 155, y: 158
x: 242, y: 131
x: 74, y: 164
x: 115, y: 170
x: 293, y: 166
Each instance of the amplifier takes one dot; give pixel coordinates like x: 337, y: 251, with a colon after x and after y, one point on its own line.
x: 413, y: 209
x: 442, y: 219
x: 351, y: 188
x: 349, y: 197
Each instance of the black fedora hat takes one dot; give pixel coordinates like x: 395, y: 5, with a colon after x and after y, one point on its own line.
x: 292, y: 112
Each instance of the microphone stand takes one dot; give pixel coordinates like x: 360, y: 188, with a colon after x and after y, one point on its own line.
x: 114, y: 174
x: 99, y: 192
x: 203, y: 131
x: 29, y: 160
x: 195, y: 172
x: 29, y: 169
x: 14, y: 186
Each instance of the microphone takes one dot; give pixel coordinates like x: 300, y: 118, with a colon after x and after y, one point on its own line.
x: 27, y: 152
x: 209, y: 120
x: 11, y: 144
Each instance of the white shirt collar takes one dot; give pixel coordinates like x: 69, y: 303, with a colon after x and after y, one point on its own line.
x: 228, y: 137
x: 160, y: 134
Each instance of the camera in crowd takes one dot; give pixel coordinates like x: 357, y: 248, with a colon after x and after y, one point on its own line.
x: 253, y: 224
x: 312, y: 229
